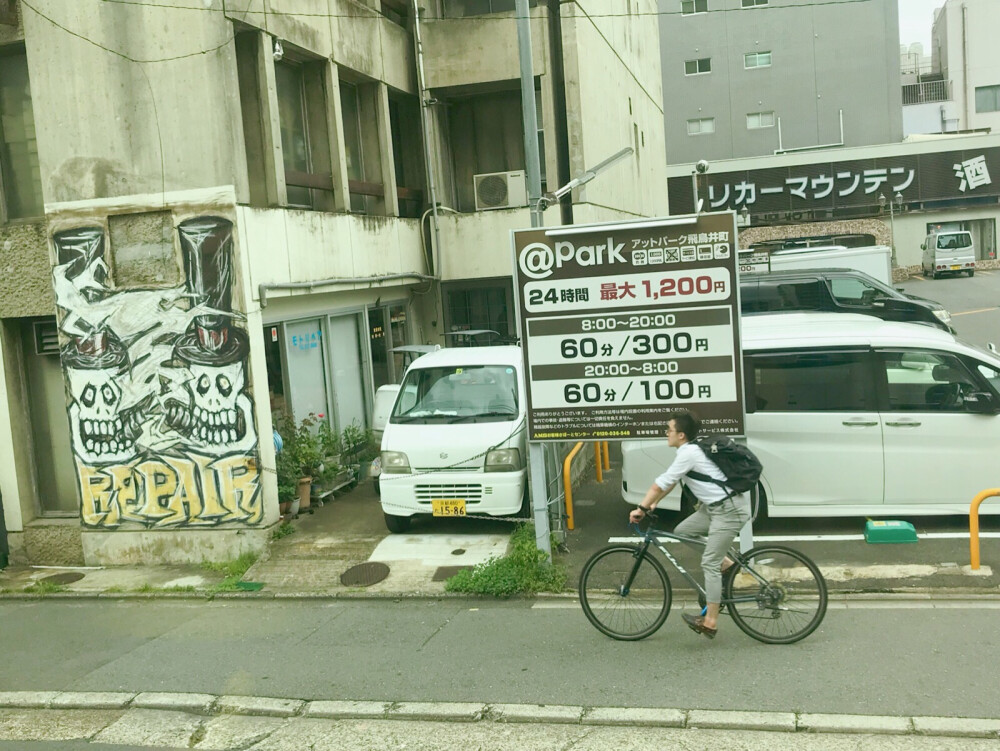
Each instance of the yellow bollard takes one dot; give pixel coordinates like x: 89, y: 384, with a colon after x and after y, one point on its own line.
x: 597, y: 461
x: 568, y: 483
x: 974, y: 526
x: 607, y: 456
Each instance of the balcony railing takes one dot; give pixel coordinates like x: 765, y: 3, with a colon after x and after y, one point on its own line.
x: 926, y: 91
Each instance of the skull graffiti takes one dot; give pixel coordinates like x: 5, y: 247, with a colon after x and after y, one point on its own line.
x: 216, y: 417
x: 98, y: 422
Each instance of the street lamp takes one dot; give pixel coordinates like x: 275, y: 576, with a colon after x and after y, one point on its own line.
x: 897, y: 203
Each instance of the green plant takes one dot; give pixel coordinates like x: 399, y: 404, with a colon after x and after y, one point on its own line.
x: 233, y: 571
x: 283, y: 530
x: 524, y: 570
x: 44, y: 588
x: 359, y: 444
x: 329, y: 439
x: 300, y: 456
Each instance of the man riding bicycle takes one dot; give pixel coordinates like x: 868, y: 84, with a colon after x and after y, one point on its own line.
x: 719, y: 516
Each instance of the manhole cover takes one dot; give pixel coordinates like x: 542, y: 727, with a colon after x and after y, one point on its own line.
x: 66, y: 578
x: 364, y: 575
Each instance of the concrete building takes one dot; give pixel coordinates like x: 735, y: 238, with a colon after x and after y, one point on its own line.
x: 213, y: 210
x: 747, y: 78
x: 964, y: 54
x: 889, y: 194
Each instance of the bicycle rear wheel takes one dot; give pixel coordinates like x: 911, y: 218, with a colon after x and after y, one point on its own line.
x: 624, y: 593
x: 783, y: 603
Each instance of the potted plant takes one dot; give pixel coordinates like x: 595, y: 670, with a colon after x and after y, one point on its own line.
x: 359, y: 448
x: 299, y: 461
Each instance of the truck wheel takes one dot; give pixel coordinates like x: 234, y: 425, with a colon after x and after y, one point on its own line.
x: 972, y: 272
x: 397, y: 524
x: 935, y: 275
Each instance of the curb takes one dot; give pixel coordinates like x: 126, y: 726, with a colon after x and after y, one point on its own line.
x: 651, y: 717
x: 921, y: 594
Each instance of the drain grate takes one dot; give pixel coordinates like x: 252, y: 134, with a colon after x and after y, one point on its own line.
x: 364, y: 574
x: 65, y: 578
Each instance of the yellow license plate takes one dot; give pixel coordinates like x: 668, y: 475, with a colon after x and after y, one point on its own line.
x: 956, y: 268
x: 448, y: 507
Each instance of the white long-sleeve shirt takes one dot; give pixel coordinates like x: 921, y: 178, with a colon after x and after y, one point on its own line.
x: 689, y: 458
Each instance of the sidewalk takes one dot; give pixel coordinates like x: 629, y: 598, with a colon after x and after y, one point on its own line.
x: 343, y: 549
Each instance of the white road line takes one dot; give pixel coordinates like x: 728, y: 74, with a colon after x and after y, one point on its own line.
x: 832, y: 604
x: 832, y: 538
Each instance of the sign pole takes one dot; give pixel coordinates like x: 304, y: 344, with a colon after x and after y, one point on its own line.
x: 536, y: 452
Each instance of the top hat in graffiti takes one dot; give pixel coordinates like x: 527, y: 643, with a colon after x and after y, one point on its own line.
x: 212, y: 349
x: 207, y: 243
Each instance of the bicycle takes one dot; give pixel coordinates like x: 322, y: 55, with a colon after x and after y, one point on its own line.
x: 773, y: 593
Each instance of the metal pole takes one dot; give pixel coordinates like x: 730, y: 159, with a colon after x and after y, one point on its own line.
x: 536, y: 451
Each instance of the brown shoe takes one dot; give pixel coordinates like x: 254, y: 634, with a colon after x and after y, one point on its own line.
x: 697, y: 624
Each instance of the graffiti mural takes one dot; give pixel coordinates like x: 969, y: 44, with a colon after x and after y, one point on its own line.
x: 161, y: 417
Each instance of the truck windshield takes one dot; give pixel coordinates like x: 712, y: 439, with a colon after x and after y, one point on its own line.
x: 473, y: 393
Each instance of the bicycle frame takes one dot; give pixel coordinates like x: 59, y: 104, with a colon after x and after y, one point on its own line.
x: 653, y: 536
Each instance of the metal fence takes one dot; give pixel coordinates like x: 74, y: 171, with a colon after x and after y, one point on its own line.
x: 926, y: 91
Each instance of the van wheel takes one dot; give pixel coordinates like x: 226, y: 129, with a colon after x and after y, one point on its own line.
x: 935, y: 275
x: 397, y: 524
x: 525, y: 511
x: 923, y: 272
x: 972, y: 272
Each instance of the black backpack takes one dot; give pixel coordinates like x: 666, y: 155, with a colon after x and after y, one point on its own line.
x: 738, y: 463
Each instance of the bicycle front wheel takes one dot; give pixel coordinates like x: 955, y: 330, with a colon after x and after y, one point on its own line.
x: 778, y: 598
x: 624, y: 592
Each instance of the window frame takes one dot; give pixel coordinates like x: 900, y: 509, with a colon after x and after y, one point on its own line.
x: 700, y: 131
x: 992, y: 89
x: 756, y: 56
x: 693, y: 4
x: 759, y: 115
x: 6, y: 169
x: 753, y: 3
x: 697, y: 64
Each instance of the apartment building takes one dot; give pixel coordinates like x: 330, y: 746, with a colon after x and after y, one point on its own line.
x: 748, y: 78
x: 216, y: 209
x: 962, y: 92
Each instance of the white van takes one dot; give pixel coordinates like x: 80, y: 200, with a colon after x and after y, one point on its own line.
x: 854, y: 416
x: 948, y: 253
x: 454, y: 443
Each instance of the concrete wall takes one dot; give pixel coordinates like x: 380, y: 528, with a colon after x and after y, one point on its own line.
x: 615, y: 99
x: 927, y: 118
x: 824, y: 59
x: 969, y: 25
x: 25, y: 272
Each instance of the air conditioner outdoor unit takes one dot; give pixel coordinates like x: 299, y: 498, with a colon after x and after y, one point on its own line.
x: 500, y: 190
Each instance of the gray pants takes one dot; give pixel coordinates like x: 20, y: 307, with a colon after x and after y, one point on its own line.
x: 720, y: 523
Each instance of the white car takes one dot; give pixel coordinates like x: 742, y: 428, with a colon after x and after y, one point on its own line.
x: 854, y: 416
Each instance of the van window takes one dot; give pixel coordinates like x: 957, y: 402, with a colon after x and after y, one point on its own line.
x: 921, y: 381
x: 473, y: 393
x: 856, y: 292
x: 813, y: 382
x: 771, y: 295
x: 991, y: 374
x: 954, y: 241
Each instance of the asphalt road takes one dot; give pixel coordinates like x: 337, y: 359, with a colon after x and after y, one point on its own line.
x: 973, y: 303
x: 866, y: 658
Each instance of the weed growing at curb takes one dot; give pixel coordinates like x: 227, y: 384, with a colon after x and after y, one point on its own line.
x: 233, y: 570
x: 524, y: 570
x: 44, y: 588
x: 283, y: 530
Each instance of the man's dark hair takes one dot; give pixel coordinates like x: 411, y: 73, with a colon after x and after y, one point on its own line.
x: 685, y: 422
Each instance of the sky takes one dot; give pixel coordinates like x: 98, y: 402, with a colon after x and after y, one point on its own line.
x: 915, y: 20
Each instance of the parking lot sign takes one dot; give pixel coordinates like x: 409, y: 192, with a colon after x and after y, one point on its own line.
x: 622, y: 323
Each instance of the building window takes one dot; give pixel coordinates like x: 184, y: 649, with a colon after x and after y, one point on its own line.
x: 988, y: 99
x: 757, y: 60
x: 693, y: 6
x: 463, y: 8
x: 701, y: 126
x: 20, y: 178
x: 757, y: 120
x: 694, y: 67
x: 754, y: 3
x: 483, y: 306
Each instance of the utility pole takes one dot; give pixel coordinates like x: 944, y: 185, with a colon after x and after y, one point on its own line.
x: 536, y: 451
